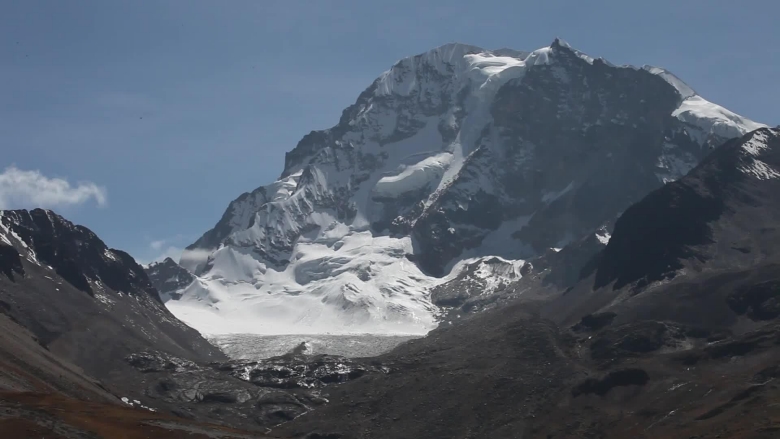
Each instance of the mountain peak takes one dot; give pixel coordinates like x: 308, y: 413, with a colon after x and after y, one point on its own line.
x: 166, y: 261
x: 168, y: 278
x: 439, y: 57
x: 455, y: 48
x: 559, y: 42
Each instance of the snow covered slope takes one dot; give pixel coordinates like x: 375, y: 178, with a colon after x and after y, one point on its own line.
x: 450, y: 156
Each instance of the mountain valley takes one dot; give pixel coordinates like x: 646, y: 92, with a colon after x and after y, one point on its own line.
x: 489, y: 243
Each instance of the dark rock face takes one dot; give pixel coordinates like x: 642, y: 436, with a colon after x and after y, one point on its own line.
x: 10, y: 261
x: 168, y: 278
x: 671, y: 231
x: 576, y: 260
x: 76, y: 254
x: 684, y: 219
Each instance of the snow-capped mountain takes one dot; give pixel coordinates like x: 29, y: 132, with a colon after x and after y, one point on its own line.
x: 450, y: 156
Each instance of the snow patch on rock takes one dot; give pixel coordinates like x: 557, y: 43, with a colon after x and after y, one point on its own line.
x: 752, y: 151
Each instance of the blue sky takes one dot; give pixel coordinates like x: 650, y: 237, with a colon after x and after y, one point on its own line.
x: 143, y: 119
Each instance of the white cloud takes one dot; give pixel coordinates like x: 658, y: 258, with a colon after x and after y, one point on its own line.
x: 172, y: 252
x: 24, y: 189
x: 160, y: 254
x: 160, y: 249
x: 192, y: 258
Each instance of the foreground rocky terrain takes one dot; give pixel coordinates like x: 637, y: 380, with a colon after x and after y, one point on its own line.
x: 509, y: 374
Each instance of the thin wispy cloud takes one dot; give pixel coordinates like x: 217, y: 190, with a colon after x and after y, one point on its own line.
x: 159, y: 249
x: 171, y: 251
x: 26, y: 189
x: 159, y: 253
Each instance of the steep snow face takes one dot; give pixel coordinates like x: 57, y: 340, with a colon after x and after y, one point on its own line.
x: 458, y: 154
x: 712, y: 120
x: 707, y: 120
